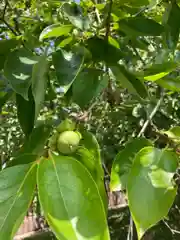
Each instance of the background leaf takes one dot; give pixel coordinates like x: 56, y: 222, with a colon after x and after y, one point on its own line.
x: 123, y: 162
x: 55, y: 30
x: 39, y: 83
x: 158, y: 71
x: 18, y: 71
x: 101, y: 50
x: 80, y: 216
x: 36, y: 142
x: 26, y: 112
x: 23, y: 159
x: 151, y: 191
x: 172, y: 26
x: 6, y: 46
x: 67, y: 66
x: 75, y: 16
x: 88, y: 85
x: 174, y: 133
x: 130, y: 81
x: 140, y: 26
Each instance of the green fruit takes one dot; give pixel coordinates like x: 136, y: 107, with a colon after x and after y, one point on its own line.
x: 68, y: 142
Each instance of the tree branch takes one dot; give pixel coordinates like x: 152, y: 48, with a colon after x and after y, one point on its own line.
x: 5, y: 22
x: 108, y: 20
x: 4, y: 10
x: 9, y: 26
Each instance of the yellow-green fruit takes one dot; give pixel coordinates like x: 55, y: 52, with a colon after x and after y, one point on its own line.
x: 68, y: 142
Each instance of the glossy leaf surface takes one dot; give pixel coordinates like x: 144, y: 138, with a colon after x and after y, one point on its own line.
x: 151, y: 191
x: 18, y: 70
x: 70, y: 200
x: 55, y: 30
x: 67, y: 67
x: 17, y: 185
x: 123, y: 162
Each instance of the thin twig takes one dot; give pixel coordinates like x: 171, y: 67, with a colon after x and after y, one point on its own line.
x: 9, y: 26
x: 130, y: 231
x: 173, y: 231
x: 150, y: 117
x: 97, y: 13
x: 4, y: 10
x: 5, y: 22
x: 108, y: 20
x: 137, y: 54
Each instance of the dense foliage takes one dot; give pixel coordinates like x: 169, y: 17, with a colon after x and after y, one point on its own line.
x: 89, y: 93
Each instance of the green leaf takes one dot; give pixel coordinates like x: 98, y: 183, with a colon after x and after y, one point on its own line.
x: 4, y: 98
x: 7, y: 45
x: 39, y: 83
x: 36, y: 141
x: 17, y: 185
x: 67, y: 67
x: 113, y: 42
x: 90, y: 142
x: 172, y: 84
x: 133, y: 3
x: 70, y: 200
x: 18, y: 70
x: 65, y: 42
x: 26, y: 112
x: 55, y: 30
x: 84, y: 156
x: 128, y: 80
x: 88, y: 85
x: 22, y: 159
x: 151, y: 191
x: 140, y: 26
x: 102, y: 50
x: 172, y: 25
x: 158, y: 71
x: 89, y: 155
x: 75, y: 16
x: 123, y: 162
x: 174, y: 133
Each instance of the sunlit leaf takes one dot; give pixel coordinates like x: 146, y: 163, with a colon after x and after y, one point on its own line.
x: 123, y: 162
x: 75, y: 16
x: 172, y: 84
x: 151, y: 191
x: 17, y: 185
x: 18, y: 70
x: 67, y: 67
x: 174, y: 133
x: 158, y: 71
x: 70, y: 200
x: 55, y: 30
